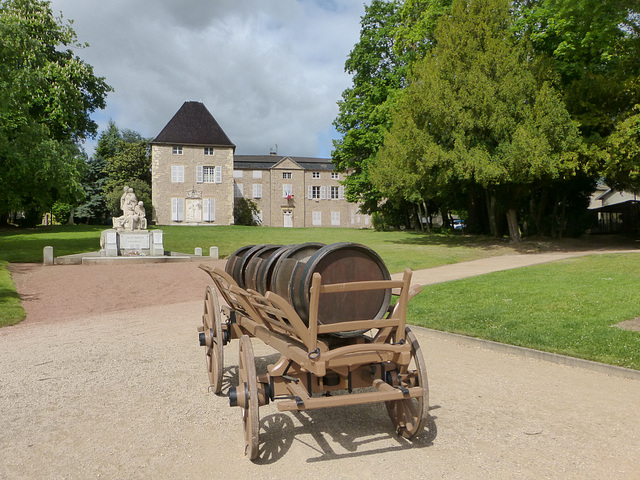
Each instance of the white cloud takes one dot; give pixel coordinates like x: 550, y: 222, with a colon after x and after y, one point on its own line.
x: 270, y: 71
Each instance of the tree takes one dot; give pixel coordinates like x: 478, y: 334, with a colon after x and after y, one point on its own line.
x: 622, y: 169
x: 594, y: 46
x: 474, y: 120
x: 47, y: 94
x: 245, y: 212
x: 364, y: 112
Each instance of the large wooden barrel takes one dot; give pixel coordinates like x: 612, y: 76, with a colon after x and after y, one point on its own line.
x: 238, y: 262
x: 341, y: 263
x: 285, y: 264
x: 233, y: 266
x: 264, y: 272
x: 250, y: 274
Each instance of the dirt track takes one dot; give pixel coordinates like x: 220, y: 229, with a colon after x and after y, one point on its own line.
x: 123, y: 394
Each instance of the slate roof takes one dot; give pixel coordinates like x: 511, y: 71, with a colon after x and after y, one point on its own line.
x: 193, y: 125
x: 265, y: 162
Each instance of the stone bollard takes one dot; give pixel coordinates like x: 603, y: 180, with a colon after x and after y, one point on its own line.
x: 198, y: 252
x: 213, y: 252
x: 47, y: 253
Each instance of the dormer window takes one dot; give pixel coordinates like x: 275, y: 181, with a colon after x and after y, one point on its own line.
x: 177, y: 150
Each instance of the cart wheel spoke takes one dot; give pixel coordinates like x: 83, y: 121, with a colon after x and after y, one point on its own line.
x: 249, y: 382
x: 212, y: 323
x: 410, y: 415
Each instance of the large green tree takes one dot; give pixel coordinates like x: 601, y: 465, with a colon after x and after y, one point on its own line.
x: 475, y: 118
x: 47, y: 94
x: 364, y: 114
x: 594, y: 47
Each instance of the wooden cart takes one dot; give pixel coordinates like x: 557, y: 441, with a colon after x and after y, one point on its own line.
x: 385, y: 364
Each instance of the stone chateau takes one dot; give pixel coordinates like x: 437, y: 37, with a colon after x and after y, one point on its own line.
x: 196, y: 176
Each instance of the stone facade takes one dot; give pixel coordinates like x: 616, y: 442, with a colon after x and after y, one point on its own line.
x: 196, y: 176
x: 192, y: 184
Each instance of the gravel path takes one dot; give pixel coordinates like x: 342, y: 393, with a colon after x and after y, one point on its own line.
x: 123, y: 394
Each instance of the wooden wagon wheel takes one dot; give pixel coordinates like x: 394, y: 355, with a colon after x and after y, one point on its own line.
x: 410, y: 415
x: 249, y: 382
x: 212, y: 322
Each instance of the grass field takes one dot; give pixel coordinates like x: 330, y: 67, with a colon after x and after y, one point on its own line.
x: 398, y: 249
x: 11, y: 311
x: 568, y: 307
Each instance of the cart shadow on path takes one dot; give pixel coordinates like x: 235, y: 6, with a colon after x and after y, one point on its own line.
x: 336, y: 435
x: 332, y: 433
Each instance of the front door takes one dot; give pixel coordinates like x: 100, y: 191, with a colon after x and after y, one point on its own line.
x: 287, y: 219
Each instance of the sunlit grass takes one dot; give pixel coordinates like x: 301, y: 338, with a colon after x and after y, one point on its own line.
x: 567, y: 307
x: 11, y: 311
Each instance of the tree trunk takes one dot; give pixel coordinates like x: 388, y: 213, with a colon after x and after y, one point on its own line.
x: 493, y: 216
x: 512, y: 221
x: 419, y: 215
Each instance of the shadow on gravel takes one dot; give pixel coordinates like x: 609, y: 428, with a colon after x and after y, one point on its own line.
x: 359, y: 430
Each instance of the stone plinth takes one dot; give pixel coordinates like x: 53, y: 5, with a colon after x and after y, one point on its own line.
x: 130, y: 243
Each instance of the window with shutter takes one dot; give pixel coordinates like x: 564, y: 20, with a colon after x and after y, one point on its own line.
x: 199, y: 174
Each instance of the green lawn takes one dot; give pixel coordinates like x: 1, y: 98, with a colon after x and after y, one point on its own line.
x: 11, y: 311
x: 568, y: 307
x: 398, y: 249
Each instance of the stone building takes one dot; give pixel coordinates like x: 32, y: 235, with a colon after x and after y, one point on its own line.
x: 196, y: 176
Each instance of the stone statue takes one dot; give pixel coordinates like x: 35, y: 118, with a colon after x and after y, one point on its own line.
x: 133, y: 213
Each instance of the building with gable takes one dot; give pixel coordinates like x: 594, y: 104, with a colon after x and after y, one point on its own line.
x: 196, y: 176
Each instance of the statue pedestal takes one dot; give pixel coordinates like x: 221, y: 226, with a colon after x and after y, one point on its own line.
x: 126, y: 243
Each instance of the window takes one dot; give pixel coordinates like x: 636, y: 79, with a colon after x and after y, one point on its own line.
x: 257, y: 190
x: 286, y: 175
x: 335, y: 218
x: 315, y: 175
x: 177, y: 209
x: 177, y: 173
x: 314, y: 192
x: 333, y: 193
x: 177, y: 150
x: 237, y: 174
x: 208, y: 174
x: 208, y: 150
x: 335, y: 176
x: 287, y: 190
x: 209, y: 209
x: 257, y: 174
x: 317, y: 218
x: 237, y: 190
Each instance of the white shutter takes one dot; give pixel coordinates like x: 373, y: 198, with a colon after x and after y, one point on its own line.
x: 257, y: 190
x: 340, y: 193
x: 323, y: 193
x: 199, y: 174
x: 174, y: 209
x: 218, y: 174
x: 310, y: 193
x: 209, y: 209
x: 180, y: 209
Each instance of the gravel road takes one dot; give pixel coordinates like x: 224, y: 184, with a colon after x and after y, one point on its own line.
x: 123, y: 394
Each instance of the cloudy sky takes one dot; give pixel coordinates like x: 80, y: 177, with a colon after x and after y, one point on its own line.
x: 269, y: 71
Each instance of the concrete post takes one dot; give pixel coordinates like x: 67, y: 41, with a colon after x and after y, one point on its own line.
x: 213, y: 253
x: 47, y: 253
x: 198, y: 252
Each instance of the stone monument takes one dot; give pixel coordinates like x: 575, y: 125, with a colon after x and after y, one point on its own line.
x: 129, y: 235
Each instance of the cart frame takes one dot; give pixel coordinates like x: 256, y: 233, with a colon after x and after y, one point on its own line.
x: 314, y: 363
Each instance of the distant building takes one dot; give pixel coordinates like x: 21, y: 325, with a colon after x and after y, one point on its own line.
x: 196, y: 176
x: 618, y: 211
